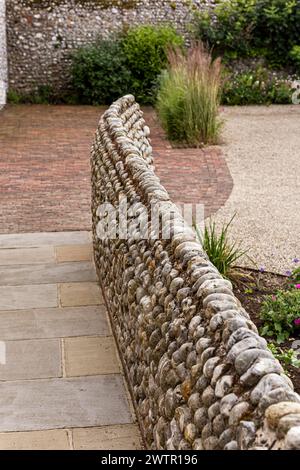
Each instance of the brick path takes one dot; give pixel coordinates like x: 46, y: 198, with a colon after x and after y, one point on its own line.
x: 44, y: 168
x: 61, y: 383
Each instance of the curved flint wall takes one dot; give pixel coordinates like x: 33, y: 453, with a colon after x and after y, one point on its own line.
x: 200, y: 375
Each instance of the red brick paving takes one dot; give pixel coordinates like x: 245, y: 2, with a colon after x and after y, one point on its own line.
x: 44, y: 168
x: 190, y: 175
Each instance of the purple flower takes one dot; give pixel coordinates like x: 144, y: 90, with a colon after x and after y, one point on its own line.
x: 288, y: 273
x: 297, y: 286
x: 262, y: 269
x: 296, y: 260
x: 297, y: 321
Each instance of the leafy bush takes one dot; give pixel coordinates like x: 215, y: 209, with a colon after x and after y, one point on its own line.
x: 145, y: 48
x: 251, y: 28
x: 227, y: 28
x: 256, y: 86
x: 280, y: 314
x: 100, y: 73
x: 188, y: 97
x: 104, y: 71
x: 221, y: 251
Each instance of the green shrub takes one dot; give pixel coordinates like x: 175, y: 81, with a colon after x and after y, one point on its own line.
x: 251, y: 28
x: 103, y: 72
x: 227, y: 28
x: 280, y: 314
x: 221, y: 251
x: 145, y: 48
x: 99, y: 73
x: 188, y: 97
x: 256, y: 86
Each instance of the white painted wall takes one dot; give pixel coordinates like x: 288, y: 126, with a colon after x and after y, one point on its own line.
x: 3, y: 55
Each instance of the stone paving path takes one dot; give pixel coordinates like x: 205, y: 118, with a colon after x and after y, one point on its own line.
x: 61, y: 383
x: 45, y: 170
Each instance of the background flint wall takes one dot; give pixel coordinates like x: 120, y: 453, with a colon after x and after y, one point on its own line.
x: 43, y: 33
x: 200, y: 375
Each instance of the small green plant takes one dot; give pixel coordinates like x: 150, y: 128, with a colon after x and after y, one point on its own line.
x: 248, y: 291
x: 188, y: 97
x: 221, y: 251
x: 280, y: 314
x: 14, y: 97
x: 145, y: 49
x: 295, y: 277
x: 287, y: 357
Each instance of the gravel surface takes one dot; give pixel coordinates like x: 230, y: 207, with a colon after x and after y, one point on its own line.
x: 262, y: 146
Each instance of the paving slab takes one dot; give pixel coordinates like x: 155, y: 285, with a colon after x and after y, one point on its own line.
x: 44, y: 238
x: 59, y: 369
x: 28, y: 296
x: 31, y: 359
x: 123, y: 437
x: 54, y: 323
x: 74, y: 253
x: 47, y: 273
x: 54, y: 439
x: 63, y: 403
x: 90, y: 356
x: 80, y: 293
x: 36, y: 255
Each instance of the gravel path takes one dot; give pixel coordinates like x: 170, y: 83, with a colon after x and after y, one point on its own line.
x: 262, y: 146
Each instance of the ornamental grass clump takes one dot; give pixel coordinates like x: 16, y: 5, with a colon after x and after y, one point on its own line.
x: 189, y: 97
x: 222, y: 252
